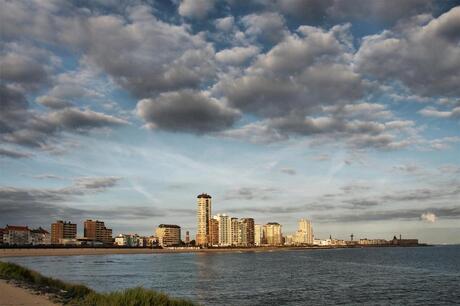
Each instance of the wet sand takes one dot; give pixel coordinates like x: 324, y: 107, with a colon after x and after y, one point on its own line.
x: 22, y: 252
x: 12, y: 295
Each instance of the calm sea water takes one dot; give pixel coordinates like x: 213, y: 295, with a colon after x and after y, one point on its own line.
x: 371, y: 276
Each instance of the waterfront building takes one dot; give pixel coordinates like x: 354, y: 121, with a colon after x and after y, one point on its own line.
x: 289, y: 240
x: 214, y: 231
x: 96, y: 231
x: 187, y: 237
x: 234, y: 230
x: 168, y: 234
x: 204, y: 220
x: 242, y: 233
x: 16, y: 235
x: 63, y: 230
x: 247, y: 232
x: 152, y: 241
x: 258, y: 234
x: 225, y: 230
x: 40, y: 236
x: 130, y: 240
x: 304, y: 234
x: 1, y: 235
x: 366, y: 241
x: 272, y: 234
x: 404, y: 242
x: 121, y: 240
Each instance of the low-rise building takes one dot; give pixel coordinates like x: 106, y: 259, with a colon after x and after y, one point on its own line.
x: 130, y: 240
x: 366, y: 241
x: 16, y: 235
x: 289, y: 240
x: 404, y: 242
x: 168, y: 234
x: 1, y: 235
x: 152, y: 241
x: 40, y: 236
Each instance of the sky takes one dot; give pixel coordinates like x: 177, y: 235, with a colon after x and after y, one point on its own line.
x: 346, y: 113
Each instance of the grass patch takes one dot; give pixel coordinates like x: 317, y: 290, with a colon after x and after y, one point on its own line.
x: 80, y: 295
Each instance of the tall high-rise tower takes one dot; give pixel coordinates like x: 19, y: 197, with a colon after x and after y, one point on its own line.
x: 304, y: 234
x: 203, y: 234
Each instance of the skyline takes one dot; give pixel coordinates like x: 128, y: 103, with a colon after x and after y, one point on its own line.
x: 339, y: 112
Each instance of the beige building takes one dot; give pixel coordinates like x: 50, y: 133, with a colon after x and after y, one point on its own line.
x: 258, y: 234
x: 272, y: 234
x: 40, y: 236
x: 304, y: 234
x: 225, y: 230
x: 214, y: 231
x: 61, y: 230
x: 168, y: 234
x: 234, y: 229
x: 96, y: 231
x: 16, y: 235
x: 203, y: 235
x: 247, y: 232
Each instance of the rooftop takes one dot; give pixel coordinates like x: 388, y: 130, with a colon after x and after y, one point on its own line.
x: 168, y: 225
x: 204, y: 195
x: 39, y: 231
x: 16, y: 228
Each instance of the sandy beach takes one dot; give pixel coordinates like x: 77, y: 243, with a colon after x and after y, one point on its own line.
x: 23, y: 252
x: 12, y: 295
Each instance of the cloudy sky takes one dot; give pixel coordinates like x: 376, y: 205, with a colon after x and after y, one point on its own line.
x: 343, y: 112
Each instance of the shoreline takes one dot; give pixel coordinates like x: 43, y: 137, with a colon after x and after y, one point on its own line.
x: 28, y: 252
x: 13, y: 294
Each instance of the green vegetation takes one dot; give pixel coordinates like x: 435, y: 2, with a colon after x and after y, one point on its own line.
x: 80, y: 295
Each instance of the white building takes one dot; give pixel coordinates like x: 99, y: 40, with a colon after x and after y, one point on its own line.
x: 304, y: 234
x: 16, y: 235
x: 225, y: 230
x: 40, y: 236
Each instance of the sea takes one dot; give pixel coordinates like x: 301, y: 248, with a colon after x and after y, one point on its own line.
x: 361, y: 276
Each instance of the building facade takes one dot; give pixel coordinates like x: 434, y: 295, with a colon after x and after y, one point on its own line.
x: 214, y: 231
x: 247, y: 234
x: 96, y: 231
x: 168, y: 234
x: 225, y: 230
x: 203, y: 235
x: 16, y: 235
x: 258, y: 234
x: 234, y: 230
x: 62, y: 230
x: 40, y: 236
x: 272, y: 234
x: 304, y: 234
x: 130, y: 240
x: 187, y: 237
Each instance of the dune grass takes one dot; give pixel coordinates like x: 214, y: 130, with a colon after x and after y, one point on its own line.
x: 79, y: 295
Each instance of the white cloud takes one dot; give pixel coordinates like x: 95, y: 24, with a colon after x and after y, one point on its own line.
x: 195, y: 8
x: 428, y: 217
x: 225, y: 24
x: 237, y: 55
